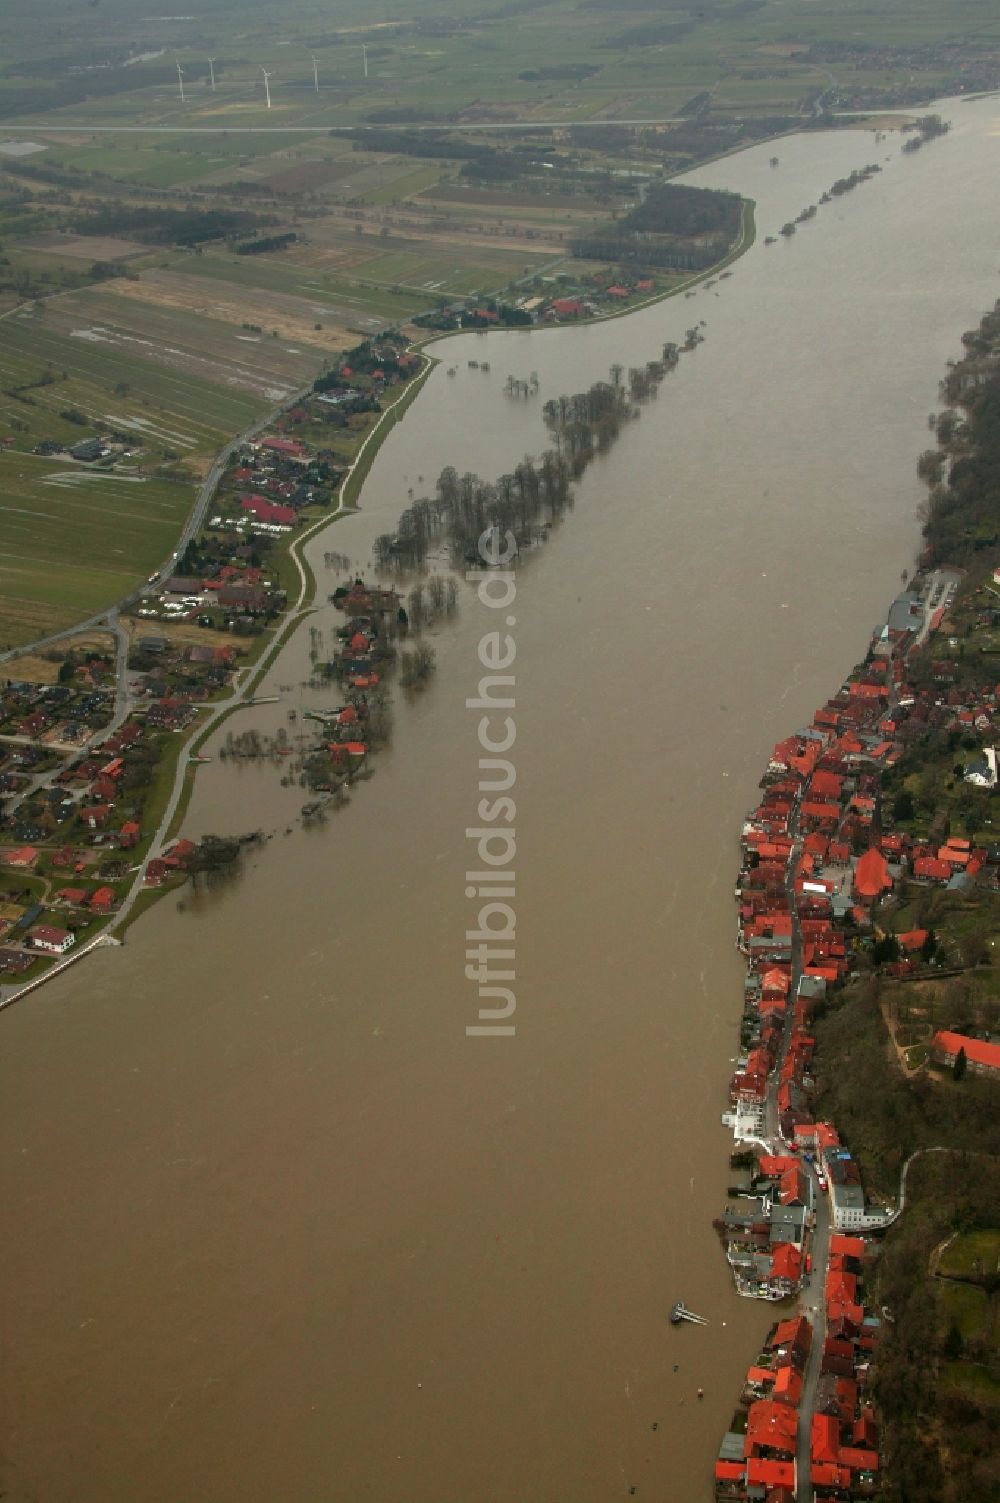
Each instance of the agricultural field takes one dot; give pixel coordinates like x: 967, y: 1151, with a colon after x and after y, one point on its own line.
x: 563, y: 60
x: 97, y: 356
x: 73, y: 540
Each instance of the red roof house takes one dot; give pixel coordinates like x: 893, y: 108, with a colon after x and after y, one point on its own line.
x: 871, y: 876
x: 770, y: 1427
x: 858, y: 1460
x: 96, y: 817
x: 769, y: 1473
x: 786, y: 1264
x: 22, y: 859
x: 847, y: 1247
x: 75, y: 895
x: 788, y: 1386
x: 824, y: 1438
x: 982, y: 1058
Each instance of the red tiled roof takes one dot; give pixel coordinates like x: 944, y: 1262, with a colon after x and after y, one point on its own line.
x: 788, y: 1385
x: 772, y: 1425
x: 841, y: 1288
x: 871, y: 875
x: 49, y: 935
x: 859, y: 1460
x: 824, y: 1437
x: 794, y: 1332
x: 776, y: 1163
x: 848, y: 1247
x: 976, y: 1052
x: 769, y: 1473
x: 730, y: 1471
x: 829, y: 1474
x: 26, y: 856
x: 786, y: 1262
x: 269, y: 511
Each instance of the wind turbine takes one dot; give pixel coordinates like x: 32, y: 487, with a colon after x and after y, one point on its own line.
x: 361, y: 47
x: 180, y: 81
x: 211, y: 69
x: 315, y: 71
x: 267, y: 86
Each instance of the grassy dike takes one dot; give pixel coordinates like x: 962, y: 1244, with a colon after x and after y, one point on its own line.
x: 304, y: 605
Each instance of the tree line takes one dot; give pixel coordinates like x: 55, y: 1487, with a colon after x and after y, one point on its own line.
x: 962, y: 512
x: 672, y: 226
x: 537, y: 492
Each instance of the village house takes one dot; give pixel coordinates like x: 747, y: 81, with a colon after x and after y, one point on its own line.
x: 52, y: 941
x: 23, y: 859
x: 981, y: 1058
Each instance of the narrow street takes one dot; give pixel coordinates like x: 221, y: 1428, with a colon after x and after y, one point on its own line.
x: 814, y: 1309
x: 811, y: 1300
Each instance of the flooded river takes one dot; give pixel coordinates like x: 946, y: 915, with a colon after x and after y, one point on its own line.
x: 275, y: 1227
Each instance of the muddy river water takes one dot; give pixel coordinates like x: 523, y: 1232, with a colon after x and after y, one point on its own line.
x: 275, y: 1227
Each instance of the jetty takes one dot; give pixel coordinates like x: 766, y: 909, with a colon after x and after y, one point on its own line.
x: 680, y: 1312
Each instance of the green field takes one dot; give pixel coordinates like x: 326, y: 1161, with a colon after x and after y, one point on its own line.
x: 177, y: 411
x: 972, y: 1255
x: 74, y: 540
x: 557, y: 59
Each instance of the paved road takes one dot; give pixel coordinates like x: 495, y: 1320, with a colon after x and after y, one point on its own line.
x: 25, y: 128
x: 815, y: 1311
x: 811, y: 1300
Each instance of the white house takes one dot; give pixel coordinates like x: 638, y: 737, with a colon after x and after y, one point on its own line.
x: 983, y: 772
x: 53, y: 941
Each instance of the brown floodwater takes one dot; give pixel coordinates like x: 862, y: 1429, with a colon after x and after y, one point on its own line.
x: 275, y: 1226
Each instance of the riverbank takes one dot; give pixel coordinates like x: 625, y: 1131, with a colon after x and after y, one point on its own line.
x: 841, y: 875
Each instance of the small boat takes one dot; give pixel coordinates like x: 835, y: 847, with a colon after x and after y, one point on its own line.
x: 680, y: 1312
